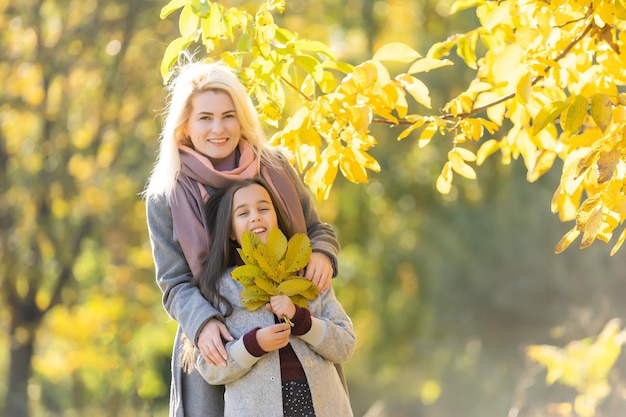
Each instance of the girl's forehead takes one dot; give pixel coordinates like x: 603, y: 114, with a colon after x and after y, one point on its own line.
x: 251, y: 193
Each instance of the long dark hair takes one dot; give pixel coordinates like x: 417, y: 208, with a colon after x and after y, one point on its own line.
x: 222, y: 252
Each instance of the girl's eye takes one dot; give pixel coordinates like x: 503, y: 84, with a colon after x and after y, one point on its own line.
x: 242, y: 213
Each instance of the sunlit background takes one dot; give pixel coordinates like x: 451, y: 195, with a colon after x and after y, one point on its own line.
x: 446, y: 292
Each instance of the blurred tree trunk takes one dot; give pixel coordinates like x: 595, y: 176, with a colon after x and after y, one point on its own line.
x: 20, y: 356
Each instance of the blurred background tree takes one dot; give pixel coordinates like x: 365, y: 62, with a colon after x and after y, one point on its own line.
x: 446, y: 292
x: 80, y: 90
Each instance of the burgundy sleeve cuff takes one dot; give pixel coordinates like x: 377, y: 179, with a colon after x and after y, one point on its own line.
x: 252, y: 345
x: 301, y: 321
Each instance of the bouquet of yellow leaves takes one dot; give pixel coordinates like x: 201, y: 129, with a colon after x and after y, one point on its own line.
x: 271, y: 268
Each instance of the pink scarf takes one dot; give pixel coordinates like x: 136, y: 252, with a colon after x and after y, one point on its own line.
x: 190, y: 197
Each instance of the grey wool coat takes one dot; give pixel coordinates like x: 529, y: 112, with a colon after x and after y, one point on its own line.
x: 253, y: 384
x: 190, y: 395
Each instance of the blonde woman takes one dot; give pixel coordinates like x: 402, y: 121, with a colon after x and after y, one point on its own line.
x: 211, y: 138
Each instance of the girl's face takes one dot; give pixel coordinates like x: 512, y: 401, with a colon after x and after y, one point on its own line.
x: 253, y: 210
x: 213, y: 125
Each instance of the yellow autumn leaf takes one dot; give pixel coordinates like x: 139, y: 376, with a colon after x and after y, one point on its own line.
x: 360, y: 118
x: 466, y: 49
x: 396, y: 51
x: 547, y: 115
x: 523, y: 86
x: 298, y: 253
x: 566, y: 240
x: 171, y: 7
x: 607, y: 163
x: 575, y: 115
x: 352, y: 170
x: 428, y: 64
x: 365, y: 160
x: 276, y: 243
x: 266, y: 285
x: 542, y: 164
x: 618, y: 244
x: 416, y: 88
x: 213, y: 25
x: 601, y: 110
x: 294, y: 286
x: 170, y: 56
x: 444, y: 180
x: 459, y: 166
x: 416, y: 125
x: 486, y: 149
x: 188, y: 21
x: 427, y: 134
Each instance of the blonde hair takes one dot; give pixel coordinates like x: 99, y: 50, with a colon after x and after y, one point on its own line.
x: 189, y: 79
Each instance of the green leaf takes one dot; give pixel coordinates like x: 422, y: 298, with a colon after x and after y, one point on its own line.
x: 200, y: 7
x: 298, y: 253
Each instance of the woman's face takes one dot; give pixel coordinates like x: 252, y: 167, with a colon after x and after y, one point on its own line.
x: 253, y: 211
x: 213, y: 126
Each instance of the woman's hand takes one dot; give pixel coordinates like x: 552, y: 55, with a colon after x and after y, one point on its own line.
x: 274, y: 337
x: 210, y: 342
x: 319, y: 270
x: 282, y: 306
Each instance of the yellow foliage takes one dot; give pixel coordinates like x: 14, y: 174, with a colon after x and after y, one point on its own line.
x: 549, y: 74
x: 583, y: 365
x: 271, y: 267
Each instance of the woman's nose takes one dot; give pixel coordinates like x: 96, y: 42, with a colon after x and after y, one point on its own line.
x: 217, y: 126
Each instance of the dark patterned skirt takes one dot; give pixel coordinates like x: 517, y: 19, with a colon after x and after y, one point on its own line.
x: 297, y: 400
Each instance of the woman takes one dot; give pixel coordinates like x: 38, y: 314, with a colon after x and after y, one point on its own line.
x: 212, y: 137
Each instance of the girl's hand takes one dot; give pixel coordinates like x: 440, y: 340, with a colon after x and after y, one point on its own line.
x: 210, y: 342
x: 319, y: 270
x: 274, y: 337
x: 282, y: 306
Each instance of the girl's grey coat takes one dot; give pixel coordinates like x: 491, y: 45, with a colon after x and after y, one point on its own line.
x: 253, y: 385
x: 190, y: 395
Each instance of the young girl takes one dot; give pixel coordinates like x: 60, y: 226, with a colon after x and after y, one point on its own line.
x: 212, y: 137
x: 273, y: 369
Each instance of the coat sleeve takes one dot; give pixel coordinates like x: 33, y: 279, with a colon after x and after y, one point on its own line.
x: 181, y: 299
x: 332, y: 334
x: 239, y: 363
x: 322, y: 236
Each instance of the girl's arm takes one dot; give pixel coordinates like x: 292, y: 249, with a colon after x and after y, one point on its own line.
x: 181, y: 299
x: 331, y: 334
x: 244, y: 353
